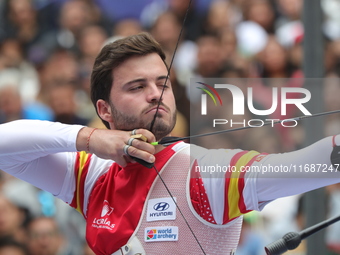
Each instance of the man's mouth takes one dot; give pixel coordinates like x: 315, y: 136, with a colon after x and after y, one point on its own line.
x: 154, y: 109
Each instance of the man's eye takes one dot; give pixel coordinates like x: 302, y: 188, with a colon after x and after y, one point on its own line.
x: 136, y: 88
x: 163, y: 85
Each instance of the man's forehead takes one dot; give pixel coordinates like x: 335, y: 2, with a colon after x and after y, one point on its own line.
x: 150, y: 66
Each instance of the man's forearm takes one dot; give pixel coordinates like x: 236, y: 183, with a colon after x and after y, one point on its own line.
x: 26, y: 140
x: 38, y: 152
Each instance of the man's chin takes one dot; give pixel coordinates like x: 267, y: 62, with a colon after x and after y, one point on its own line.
x: 161, y: 129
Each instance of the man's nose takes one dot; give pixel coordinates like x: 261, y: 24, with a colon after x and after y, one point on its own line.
x: 154, y: 93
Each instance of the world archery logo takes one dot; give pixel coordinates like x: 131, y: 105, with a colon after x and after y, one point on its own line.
x: 211, y: 92
x: 158, y: 234
x: 151, y: 234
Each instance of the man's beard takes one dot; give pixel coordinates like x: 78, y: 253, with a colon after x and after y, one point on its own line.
x: 160, y: 128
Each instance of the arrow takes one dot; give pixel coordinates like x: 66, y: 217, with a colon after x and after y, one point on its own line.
x: 171, y: 139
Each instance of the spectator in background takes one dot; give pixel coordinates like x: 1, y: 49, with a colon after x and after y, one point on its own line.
x: 222, y: 15
x: 12, y: 220
x: 331, y: 91
x: 91, y: 40
x: 10, y: 104
x: 229, y: 45
x: 273, y: 62
x: 12, y: 107
x: 68, y: 70
x: 194, y: 23
x: 75, y: 15
x: 44, y: 237
x: 261, y: 12
x: 289, y: 10
x: 209, y: 63
x: 166, y: 29
x: 235, y: 64
x: 332, y: 238
x: 14, y: 68
x: 331, y: 19
x: 97, y: 17
x: 9, y: 246
x: 289, y: 27
x: 62, y: 100
x: 40, y: 203
x: 209, y: 57
x: 13, y: 104
x: 11, y: 53
x: 251, y: 241
x: 22, y: 22
x: 127, y: 27
x: 253, y: 31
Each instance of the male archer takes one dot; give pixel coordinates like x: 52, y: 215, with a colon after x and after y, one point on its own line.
x: 127, y: 208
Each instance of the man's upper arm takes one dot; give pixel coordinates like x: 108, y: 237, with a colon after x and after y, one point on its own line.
x: 221, y: 182
x: 292, y: 173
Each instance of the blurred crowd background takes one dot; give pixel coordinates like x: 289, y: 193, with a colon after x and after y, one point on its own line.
x: 48, y: 47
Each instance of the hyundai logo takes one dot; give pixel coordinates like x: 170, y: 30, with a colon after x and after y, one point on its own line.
x: 161, y: 206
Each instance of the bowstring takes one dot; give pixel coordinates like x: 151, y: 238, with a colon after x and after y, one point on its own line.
x: 154, y: 120
x: 180, y: 211
x: 169, y: 68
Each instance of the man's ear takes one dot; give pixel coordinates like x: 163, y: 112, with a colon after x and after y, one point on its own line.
x: 104, y: 110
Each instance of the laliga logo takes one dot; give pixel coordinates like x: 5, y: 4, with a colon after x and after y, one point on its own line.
x: 239, y: 102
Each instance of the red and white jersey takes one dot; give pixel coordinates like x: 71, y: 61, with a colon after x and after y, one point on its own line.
x: 112, y: 198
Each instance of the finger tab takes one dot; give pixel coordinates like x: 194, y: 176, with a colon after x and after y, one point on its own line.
x: 140, y: 137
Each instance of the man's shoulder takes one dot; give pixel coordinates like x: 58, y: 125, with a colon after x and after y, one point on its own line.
x: 91, y: 166
x: 198, y: 151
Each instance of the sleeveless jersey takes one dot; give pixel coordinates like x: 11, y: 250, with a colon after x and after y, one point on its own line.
x: 119, y: 203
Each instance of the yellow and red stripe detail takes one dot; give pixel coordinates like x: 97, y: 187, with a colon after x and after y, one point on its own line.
x: 80, y: 171
x: 234, y: 201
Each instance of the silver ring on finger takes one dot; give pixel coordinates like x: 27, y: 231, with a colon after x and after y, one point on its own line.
x: 134, y: 132
x: 126, y: 148
x: 130, y: 141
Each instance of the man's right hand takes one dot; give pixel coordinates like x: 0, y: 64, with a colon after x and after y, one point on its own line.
x: 109, y: 144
